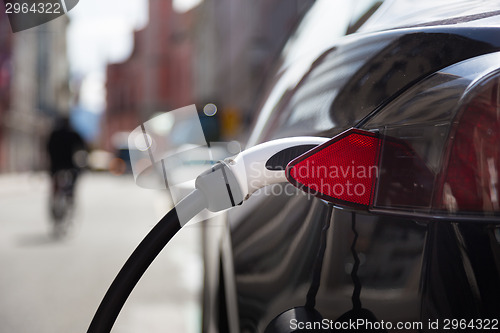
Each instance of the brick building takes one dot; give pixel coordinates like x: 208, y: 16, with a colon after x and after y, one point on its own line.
x: 219, y: 52
x: 157, y: 75
x: 5, y: 80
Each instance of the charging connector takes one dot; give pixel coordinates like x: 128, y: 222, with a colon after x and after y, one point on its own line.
x: 225, y: 185
x: 228, y: 183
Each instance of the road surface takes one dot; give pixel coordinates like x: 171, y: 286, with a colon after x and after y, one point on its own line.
x: 49, y: 286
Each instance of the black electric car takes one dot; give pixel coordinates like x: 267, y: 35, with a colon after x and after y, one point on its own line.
x: 420, y: 252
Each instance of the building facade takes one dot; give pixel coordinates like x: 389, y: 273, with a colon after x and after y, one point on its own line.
x: 5, y: 81
x: 157, y: 77
x: 38, y: 92
x: 219, y: 52
x: 237, y: 45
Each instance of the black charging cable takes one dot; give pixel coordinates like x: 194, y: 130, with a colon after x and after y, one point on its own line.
x: 132, y: 272
x: 225, y: 185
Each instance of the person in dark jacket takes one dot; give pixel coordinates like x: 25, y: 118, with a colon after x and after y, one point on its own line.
x: 62, y: 146
x: 67, y: 151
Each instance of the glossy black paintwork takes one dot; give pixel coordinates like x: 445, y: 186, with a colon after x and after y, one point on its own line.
x: 363, y: 73
x: 461, y: 271
x: 407, y: 59
x: 273, y: 266
x: 272, y: 251
x: 411, y: 269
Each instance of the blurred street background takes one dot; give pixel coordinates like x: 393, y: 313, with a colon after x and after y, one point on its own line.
x: 108, y: 66
x: 49, y: 285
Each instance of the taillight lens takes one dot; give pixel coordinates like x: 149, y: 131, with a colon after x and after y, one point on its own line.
x: 438, y: 169
x: 342, y: 170
x: 469, y: 178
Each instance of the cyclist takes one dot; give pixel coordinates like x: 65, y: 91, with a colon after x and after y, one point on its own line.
x: 66, y: 150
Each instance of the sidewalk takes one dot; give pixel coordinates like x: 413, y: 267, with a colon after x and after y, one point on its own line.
x: 55, y: 287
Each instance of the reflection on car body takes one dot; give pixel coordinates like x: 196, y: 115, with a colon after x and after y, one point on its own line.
x: 408, y: 73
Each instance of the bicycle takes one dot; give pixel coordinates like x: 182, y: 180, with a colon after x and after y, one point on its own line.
x: 62, y: 202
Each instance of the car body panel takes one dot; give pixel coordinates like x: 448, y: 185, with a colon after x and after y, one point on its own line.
x: 412, y: 268
x: 365, y: 72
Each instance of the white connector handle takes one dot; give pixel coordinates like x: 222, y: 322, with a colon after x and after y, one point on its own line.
x: 232, y: 181
x: 249, y: 167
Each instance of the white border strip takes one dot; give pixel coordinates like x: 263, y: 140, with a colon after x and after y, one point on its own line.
x: 63, y: 2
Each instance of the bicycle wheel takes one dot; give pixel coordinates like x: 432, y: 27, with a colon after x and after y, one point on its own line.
x: 62, y: 205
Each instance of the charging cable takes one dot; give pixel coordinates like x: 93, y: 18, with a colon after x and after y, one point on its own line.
x: 227, y: 184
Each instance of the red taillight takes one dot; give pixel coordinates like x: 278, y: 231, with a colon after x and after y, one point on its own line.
x: 432, y: 169
x: 469, y: 181
x: 343, y: 170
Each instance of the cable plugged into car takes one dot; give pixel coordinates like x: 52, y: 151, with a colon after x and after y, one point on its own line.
x: 225, y: 185
x: 358, y: 169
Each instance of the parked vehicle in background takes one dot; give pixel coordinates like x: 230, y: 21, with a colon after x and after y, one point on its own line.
x: 120, y: 163
x: 424, y: 76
